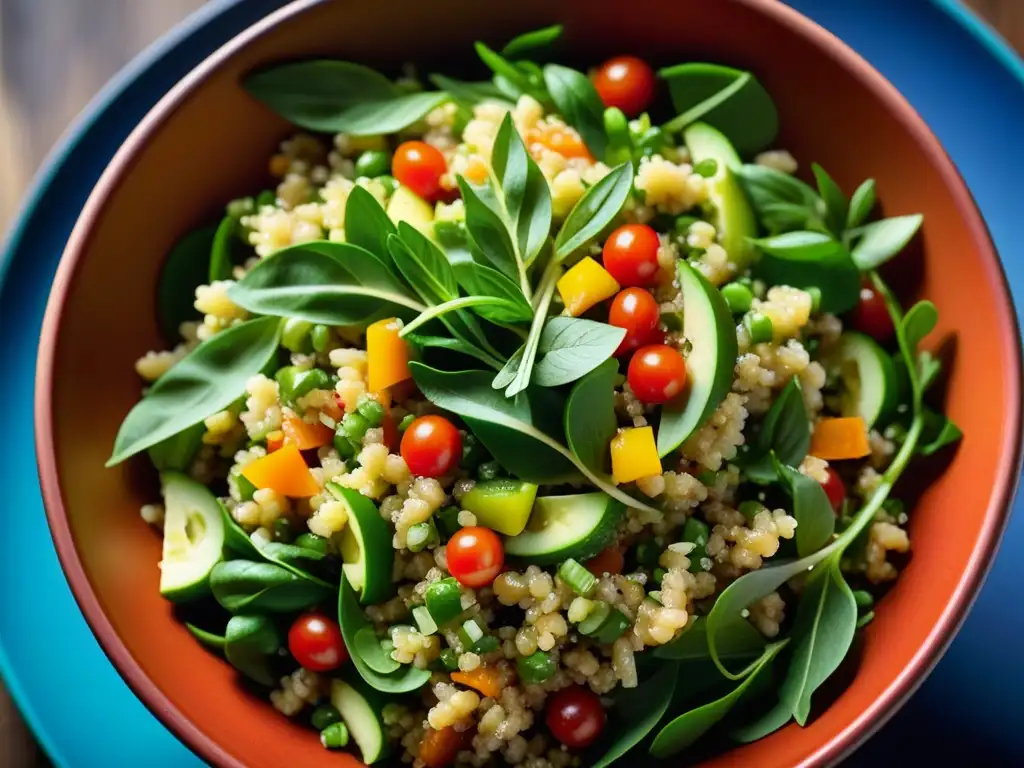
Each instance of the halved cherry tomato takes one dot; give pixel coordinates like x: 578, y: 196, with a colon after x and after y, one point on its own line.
x: 637, y: 311
x: 316, y: 643
x: 871, y: 316
x: 420, y: 167
x: 834, y: 488
x: 575, y: 716
x: 626, y: 82
x: 431, y: 446
x: 656, y: 374
x: 630, y: 255
x: 475, y: 556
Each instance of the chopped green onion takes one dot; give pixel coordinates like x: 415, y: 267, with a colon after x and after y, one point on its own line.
x: 422, y: 536
x: 354, y: 426
x: 759, y: 327
x: 444, y: 600
x: 536, y: 668
x: 470, y: 633
x: 342, y: 444
x: 579, y: 579
x: 706, y: 168
x: 486, y: 644
x: 595, y: 618
x: 448, y: 518
x: 697, y: 532
x: 334, y: 736
x: 605, y: 623
x: 295, y: 335
x: 406, y: 422
x: 325, y: 715
x: 312, y: 542
x: 620, y: 143
x: 738, y: 296
x: 866, y: 619
x: 863, y: 598
x: 450, y: 659
x: 424, y: 621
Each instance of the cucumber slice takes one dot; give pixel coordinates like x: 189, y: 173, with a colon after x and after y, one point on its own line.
x: 365, y: 546
x: 501, y: 505
x: 406, y: 205
x: 193, y: 538
x: 360, y: 707
x: 868, y: 378
x: 734, y: 218
x: 711, y: 331
x: 577, y: 526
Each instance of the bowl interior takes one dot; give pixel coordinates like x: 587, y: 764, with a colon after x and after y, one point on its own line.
x: 208, y: 142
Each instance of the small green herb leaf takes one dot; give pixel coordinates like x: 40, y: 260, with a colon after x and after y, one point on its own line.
x: 879, y: 241
x: 861, y: 204
x: 545, y: 292
x: 528, y: 42
x: 249, y: 641
x: 786, y: 431
x: 525, y: 192
x: 595, y: 210
x: 207, y: 380
x: 836, y: 205
x: 579, y: 103
x: 637, y: 711
x: 815, y: 520
x: 572, y: 348
x: 590, y: 422
x: 775, y: 718
x: 919, y: 321
x: 469, y: 93
x: 452, y: 345
x: 939, y: 432
x: 811, y: 260
x: 508, y: 373
x: 186, y: 267
x: 484, y: 281
x: 367, y: 225
x: 508, y: 78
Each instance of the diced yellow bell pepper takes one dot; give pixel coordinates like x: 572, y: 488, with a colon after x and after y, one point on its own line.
x: 838, y: 439
x: 585, y: 285
x: 387, y: 355
x: 284, y: 471
x: 634, y: 455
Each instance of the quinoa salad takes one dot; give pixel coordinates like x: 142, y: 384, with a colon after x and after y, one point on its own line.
x: 544, y: 420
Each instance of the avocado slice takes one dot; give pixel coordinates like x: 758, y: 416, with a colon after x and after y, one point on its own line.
x: 502, y: 505
x: 577, y: 526
x: 711, y: 331
x: 406, y: 205
x: 193, y: 538
x: 733, y: 218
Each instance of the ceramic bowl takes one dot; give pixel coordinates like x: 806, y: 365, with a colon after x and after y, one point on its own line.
x: 207, y: 142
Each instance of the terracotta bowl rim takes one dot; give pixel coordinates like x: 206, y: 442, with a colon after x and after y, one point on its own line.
x: 842, y: 743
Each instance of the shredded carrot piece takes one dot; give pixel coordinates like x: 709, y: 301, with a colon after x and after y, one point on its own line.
x: 486, y: 680
x: 610, y: 560
x: 439, y: 747
x: 305, y: 435
x: 284, y: 471
x: 837, y: 439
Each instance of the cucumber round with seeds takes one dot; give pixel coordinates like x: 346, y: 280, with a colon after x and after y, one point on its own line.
x: 193, y: 538
x: 577, y: 526
x: 867, y: 377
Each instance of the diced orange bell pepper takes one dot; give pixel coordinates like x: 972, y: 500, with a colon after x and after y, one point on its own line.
x: 477, y: 171
x: 390, y: 427
x: 284, y: 471
x: 838, y: 439
x: 304, y: 435
x: 275, y: 440
x: 610, y: 560
x: 563, y: 140
x: 584, y: 285
x: 634, y: 455
x: 487, y: 680
x: 387, y: 355
x: 440, y: 747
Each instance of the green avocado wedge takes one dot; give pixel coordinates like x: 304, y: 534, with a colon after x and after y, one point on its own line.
x: 733, y: 218
x: 709, y: 327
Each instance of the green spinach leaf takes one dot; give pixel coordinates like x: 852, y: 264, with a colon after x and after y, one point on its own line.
x: 529, y: 42
x: 811, y: 260
x: 243, y: 585
x: 836, y: 205
x: 186, y: 267
x: 221, y: 261
x: 368, y: 648
x: 452, y: 345
x: 249, y: 641
x: 815, y: 520
x: 879, y: 241
x: 861, y: 204
x: 572, y: 348
x: 177, y: 451
x: 783, y: 203
x: 637, y: 711
x: 769, y: 722
x: 590, y: 422
x: 209, y: 639
x: 288, y: 556
x: 595, y: 210
x: 577, y: 100
x: 786, y: 431
x: 939, y: 432
x: 339, y: 96
x: 207, y: 380
x: 737, y: 639
x: 367, y: 225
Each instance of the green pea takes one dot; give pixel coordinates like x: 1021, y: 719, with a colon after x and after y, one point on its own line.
x: 243, y: 206
x: 371, y: 410
x: 759, y: 327
x: 863, y: 598
x: 536, y: 668
x: 334, y: 736
x: 750, y: 508
x: 450, y: 659
x: 282, y: 530
x: 325, y: 715
x: 373, y: 162
x: 295, y: 336
x: 706, y: 168
x: 343, y: 445
x: 355, y: 426
x: 389, y: 183
x: 312, y: 542
x: 406, y: 422
x: 738, y: 297
x: 296, y: 382
x: 320, y: 337
x: 489, y: 470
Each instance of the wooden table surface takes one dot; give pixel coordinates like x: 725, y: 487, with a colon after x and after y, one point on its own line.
x: 41, y: 92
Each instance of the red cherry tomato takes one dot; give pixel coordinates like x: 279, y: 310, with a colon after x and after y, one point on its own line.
x: 475, y: 556
x: 871, y: 316
x: 626, y: 82
x: 315, y: 642
x: 420, y: 167
x: 630, y: 255
x: 657, y: 373
x: 637, y: 311
x: 431, y: 446
x: 834, y: 488
x: 575, y: 716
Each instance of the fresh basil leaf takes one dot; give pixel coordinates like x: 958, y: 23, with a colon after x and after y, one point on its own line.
x: 786, y: 431
x: 577, y: 100
x: 177, y: 451
x: 242, y: 585
x: 352, y: 620
x: 861, y: 204
x: 207, y: 380
x: 590, y: 422
x: 187, y: 266
x: 368, y: 648
x: 524, y: 191
x: 487, y: 228
x: 236, y: 540
x: 879, y: 241
x: 769, y: 722
x: 542, y: 301
x: 452, y: 345
x: 765, y: 186
x: 786, y: 217
x: 737, y: 639
x: 731, y: 100
x: 209, y: 639
x: 528, y: 42
x: 826, y: 620
x: 595, y: 210
x: 939, y: 431
x: 248, y: 642
x: 928, y: 368
x: 836, y: 205
x: 572, y: 348
x: 636, y: 712
x: 367, y: 225
x: 479, y: 280
x: 339, y: 96
x: 322, y: 282
x: 815, y: 519
x: 684, y: 730
x: 470, y: 93
x: 221, y: 261
x: 811, y: 260
x: 919, y: 321
x: 508, y: 78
